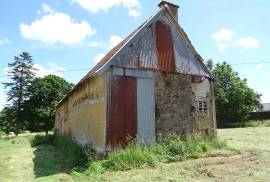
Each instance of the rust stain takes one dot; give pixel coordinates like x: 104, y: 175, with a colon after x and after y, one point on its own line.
x: 122, y: 111
x: 165, y: 50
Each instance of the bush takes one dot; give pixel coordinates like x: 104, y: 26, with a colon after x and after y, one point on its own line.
x: 42, y: 140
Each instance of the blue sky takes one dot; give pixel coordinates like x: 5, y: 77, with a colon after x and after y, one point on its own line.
x: 64, y: 35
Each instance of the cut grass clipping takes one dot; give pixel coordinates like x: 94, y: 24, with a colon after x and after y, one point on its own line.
x: 171, y: 149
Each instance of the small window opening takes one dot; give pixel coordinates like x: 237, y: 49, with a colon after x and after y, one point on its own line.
x: 202, y: 106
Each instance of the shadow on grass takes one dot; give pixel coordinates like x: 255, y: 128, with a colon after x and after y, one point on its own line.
x: 48, y: 161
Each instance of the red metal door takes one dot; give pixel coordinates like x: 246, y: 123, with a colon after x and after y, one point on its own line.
x: 122, y: 110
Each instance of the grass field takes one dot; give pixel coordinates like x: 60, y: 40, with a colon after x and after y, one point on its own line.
x: 21, y: 162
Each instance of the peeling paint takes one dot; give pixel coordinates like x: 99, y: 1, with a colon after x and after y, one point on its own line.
x: 85, y: 121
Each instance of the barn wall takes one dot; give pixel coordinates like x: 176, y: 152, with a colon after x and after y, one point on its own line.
x: 173, y: 100
x: 82, y: 115
x: 205, y: 123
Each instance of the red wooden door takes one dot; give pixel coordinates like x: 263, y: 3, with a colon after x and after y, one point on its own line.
x: 122, y: 110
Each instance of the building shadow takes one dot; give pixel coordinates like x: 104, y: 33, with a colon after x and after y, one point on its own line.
x: 48, y: 161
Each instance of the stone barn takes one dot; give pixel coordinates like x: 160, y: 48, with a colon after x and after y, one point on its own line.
x: 151, y: 84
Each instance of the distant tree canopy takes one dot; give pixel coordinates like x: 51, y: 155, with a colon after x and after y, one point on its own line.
x: 234, y: 99
x: 44, y: 93
x: 31, y: 100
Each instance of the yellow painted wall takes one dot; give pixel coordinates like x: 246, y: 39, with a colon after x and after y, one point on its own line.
x: 83, y: 114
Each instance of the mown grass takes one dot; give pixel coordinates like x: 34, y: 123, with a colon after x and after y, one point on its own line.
x: 2, y: 133
x: 250, y: 123
x: 257, y: 123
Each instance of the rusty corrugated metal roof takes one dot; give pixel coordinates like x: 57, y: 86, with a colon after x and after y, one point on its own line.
x: 93, y: 72
x: 104, y: 60
x: 108, y: 56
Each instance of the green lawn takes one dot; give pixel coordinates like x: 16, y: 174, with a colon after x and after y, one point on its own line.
x: 20, y: 162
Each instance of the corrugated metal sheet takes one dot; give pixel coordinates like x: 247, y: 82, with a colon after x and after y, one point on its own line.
x: 165, y: 50
x: 146, y: 110
x: 140, y: 53
x: 133, y: 72
x: 122, y: 110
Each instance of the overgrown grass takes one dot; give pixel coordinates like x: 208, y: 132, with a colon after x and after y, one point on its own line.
x: 74, y: 154
x: 170, y: 149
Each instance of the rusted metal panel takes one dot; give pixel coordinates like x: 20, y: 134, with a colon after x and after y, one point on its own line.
x: 146, y: 110
x: 122, y: 111
x: 133, y: 72
x: 140, y: 52
x: 165, y: 50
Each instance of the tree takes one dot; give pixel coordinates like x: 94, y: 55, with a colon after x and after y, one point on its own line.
x: 210, y: 64
x: 234, y: 99
x: 44, y: 94
x: 7, y: 120
x: 21, y: 73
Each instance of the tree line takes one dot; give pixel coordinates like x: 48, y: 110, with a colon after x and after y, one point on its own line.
x: 31, y: 100
x: 234, y: 99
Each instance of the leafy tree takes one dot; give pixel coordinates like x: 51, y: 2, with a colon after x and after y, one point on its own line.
x: 21, y: 74
x: 234, y: 99
x: 44, y: 94
x: 210, y: 64
x: 7, y: 120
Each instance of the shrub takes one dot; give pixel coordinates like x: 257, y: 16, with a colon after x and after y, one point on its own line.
x: 42, y: 140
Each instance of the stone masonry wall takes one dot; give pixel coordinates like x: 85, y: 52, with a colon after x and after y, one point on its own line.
x: 173, y: 104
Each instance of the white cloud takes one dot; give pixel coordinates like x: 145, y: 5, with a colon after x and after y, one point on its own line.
x: 95, y: 44
x: 98, y: 57
x: 247, y: 42
x: 222, y: 35
x: 222, y: 38
x: 52, y: 69
x: 222, y: 46
x: 56, y: 28
x: 114, y: 40
x: 258, y: 66
x: 95, y: 6
x: 225, y: 38
x: 4, y: 41
x: 265, y: 98
x: 135, y: 13
x: 45, y: 9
